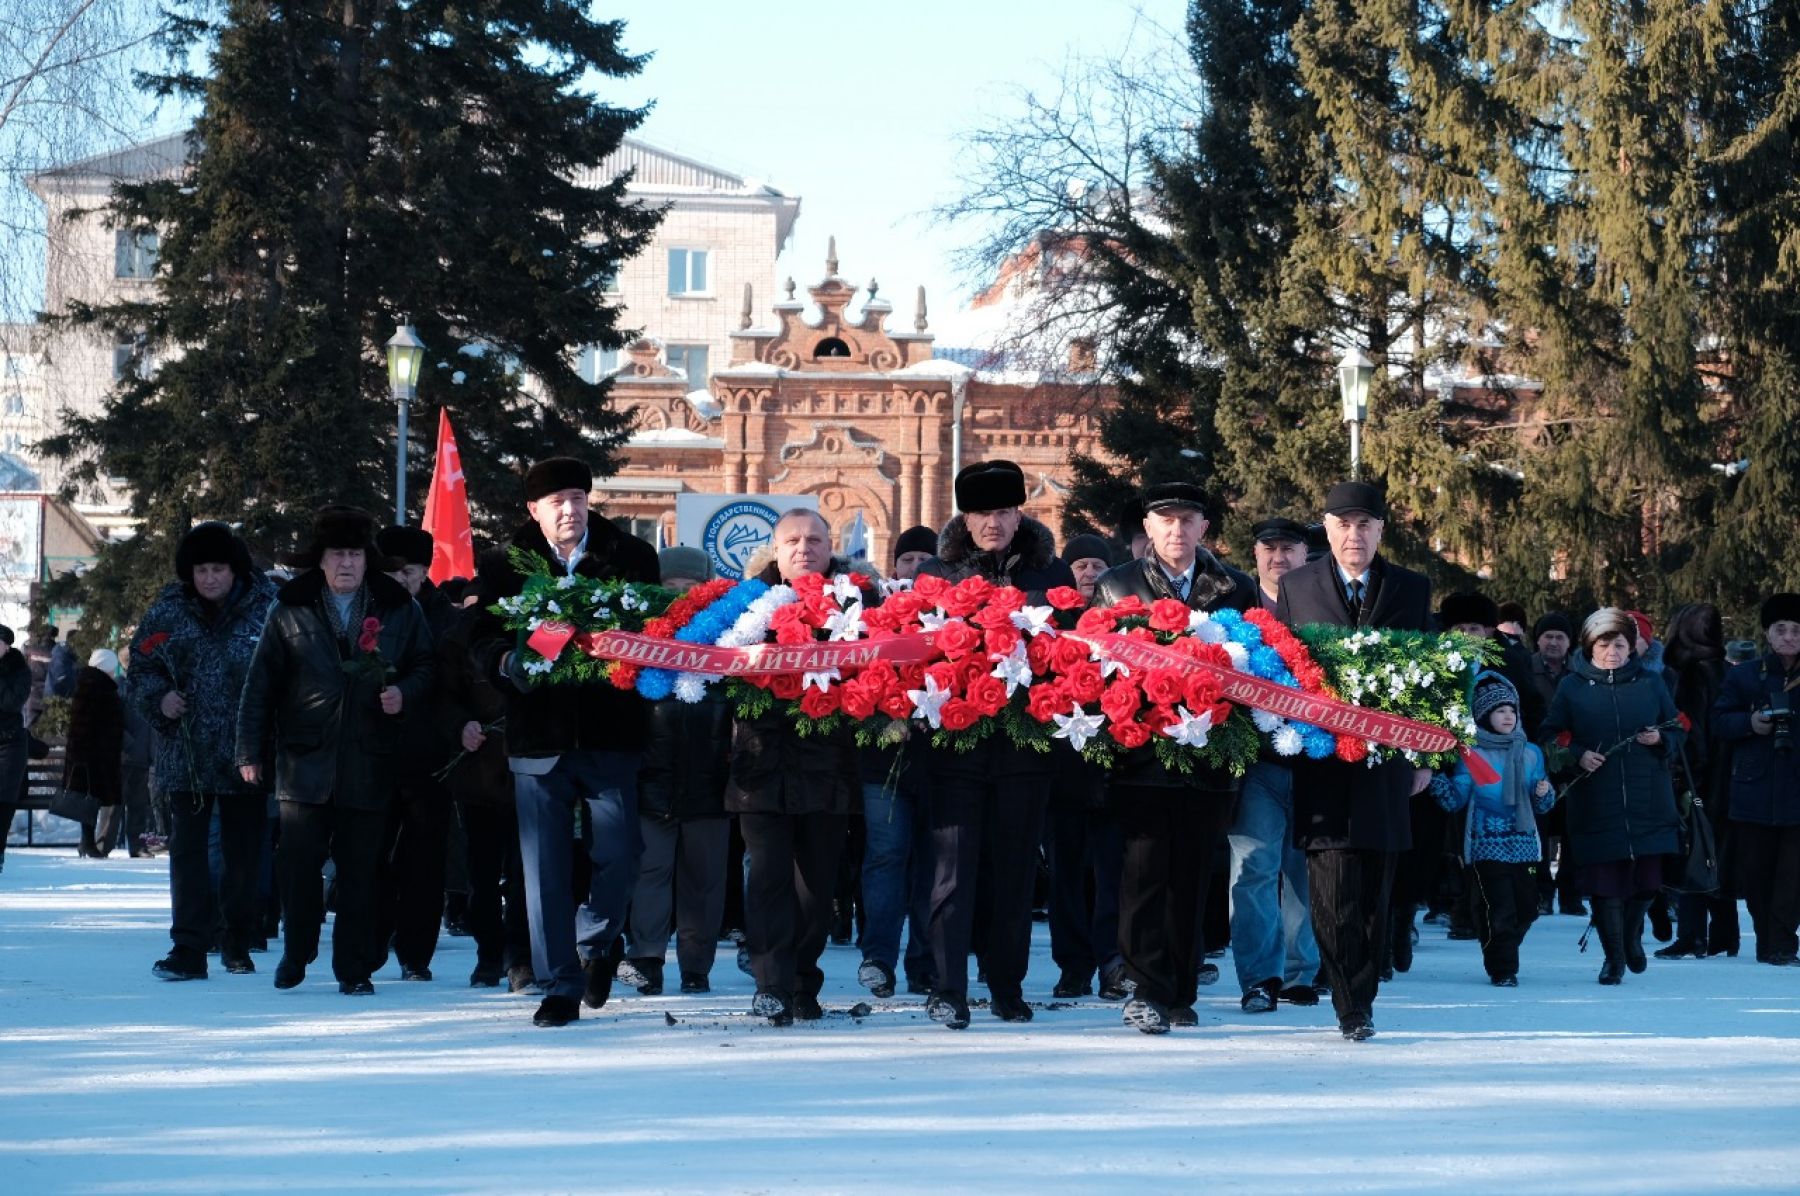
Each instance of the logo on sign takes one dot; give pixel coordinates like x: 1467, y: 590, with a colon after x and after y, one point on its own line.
x: 734, y: 533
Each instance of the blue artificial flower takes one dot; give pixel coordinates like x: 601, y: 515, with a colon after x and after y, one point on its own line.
x: 1265, y: 662
x: 656, y: 684
x: 1317, y: 744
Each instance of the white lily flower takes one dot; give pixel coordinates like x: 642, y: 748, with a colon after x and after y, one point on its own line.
x: 847, y: 624
x: 1077, y: 727
x: 1035, y: 620
x: 1192, y: 730
x: 821, y: 680
x: 1108, y: 666
x: 844, y: 590
x: 933, y: 620
x: 1014, y: 668
x: 928, y: 703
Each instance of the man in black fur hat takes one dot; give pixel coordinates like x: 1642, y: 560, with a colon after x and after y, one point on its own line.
x: 344, y: 654
x: 568, y: 745
x: 997, y: 791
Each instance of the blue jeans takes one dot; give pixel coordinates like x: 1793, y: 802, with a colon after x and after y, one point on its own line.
x: 1271, y: 929
x: 896, y: 878
x: 562, y: 936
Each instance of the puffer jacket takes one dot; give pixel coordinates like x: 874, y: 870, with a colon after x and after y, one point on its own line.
x: 1626, y: 808
x: 330, y: 738
x: 1765, y: 783
x: 183, y: 643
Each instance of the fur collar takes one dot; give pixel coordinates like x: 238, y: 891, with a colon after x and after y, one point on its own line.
x: 1032, y: 544
x: 761, y: 565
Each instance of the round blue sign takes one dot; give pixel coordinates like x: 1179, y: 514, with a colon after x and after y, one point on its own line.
x: 734, y: 533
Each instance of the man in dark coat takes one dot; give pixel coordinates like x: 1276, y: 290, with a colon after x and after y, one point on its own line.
x: 1353, y: 819
x: 792, y: 795
x: 569, y: 745
x: 1551, y: 638
x: 344, y: 653
x: 190, y: 657
x: 416, y: 838
x: 995, y: 792
x: 15, y: 688
x: 1171, y: 824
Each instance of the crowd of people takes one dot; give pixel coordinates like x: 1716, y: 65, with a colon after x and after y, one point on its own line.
x: 354, y: 740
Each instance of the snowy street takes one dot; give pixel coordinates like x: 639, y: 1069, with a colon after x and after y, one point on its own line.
x: 1686, y: 1079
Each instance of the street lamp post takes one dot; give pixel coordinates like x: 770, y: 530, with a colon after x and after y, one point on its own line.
x: 1355, y: 372
x: 405, y: 354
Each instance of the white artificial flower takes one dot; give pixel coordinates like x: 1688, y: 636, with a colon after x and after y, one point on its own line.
x: 566, y: 582
x: 1267, y: 721
x: 1454, y: 662
x: 1191, y: 731
x: 933, y: 620
x: 847, y: 624
x: 928, y: 703
x: 553, y: 608
x: 1240, y: 656
x: 1287, y: 742
x: 1035, y: 620
x: 821, y: 680
x: 1077, y: 727
x: 844, y: 590
x: 691, y: 687
x: 1014, y: 668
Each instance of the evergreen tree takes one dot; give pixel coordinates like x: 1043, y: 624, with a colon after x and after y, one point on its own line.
x: 355, y: 164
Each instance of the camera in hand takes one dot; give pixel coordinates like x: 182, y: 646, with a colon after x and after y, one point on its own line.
x: 1781, y: 719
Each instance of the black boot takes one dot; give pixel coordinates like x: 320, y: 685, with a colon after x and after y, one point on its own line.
x: 1635, y: 909
x: 1400, y: 939
x: 1609, y: 921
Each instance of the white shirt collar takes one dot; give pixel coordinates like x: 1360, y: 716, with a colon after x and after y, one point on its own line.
x: 575, y: 558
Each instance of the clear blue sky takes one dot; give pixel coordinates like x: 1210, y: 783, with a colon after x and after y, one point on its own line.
x: 856, y: 108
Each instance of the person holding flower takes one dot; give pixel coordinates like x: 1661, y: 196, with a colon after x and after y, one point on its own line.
x: 1617, y: 721
x: 344, y: 651
x: 1170, y: 824
x: 189, y: 659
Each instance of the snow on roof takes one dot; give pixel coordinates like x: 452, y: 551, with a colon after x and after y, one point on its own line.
x: 673, y: 438
x: 703, y: 402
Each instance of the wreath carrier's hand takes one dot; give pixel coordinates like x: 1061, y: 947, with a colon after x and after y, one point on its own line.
x: 1591, y: 761
x: 472, y: 736
x: 173, y: 704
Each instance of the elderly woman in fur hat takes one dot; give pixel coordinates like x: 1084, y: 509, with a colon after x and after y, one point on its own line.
x: 189, y: 658
x: 345, y: 651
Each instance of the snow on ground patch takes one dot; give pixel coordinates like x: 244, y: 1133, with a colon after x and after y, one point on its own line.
x: 1685, y: 1079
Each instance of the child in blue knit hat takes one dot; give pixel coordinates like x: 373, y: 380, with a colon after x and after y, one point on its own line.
x: 1500, y: 840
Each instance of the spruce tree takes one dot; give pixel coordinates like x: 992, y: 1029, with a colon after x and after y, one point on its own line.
x: 353, y: 165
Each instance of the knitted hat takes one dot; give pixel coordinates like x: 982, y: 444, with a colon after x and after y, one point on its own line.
x: 104, y: 659
x: 1645, y: 628
x: 1552, y: 621
x: 1780, y: 608
x: 210, y: 543
x: 990, y: 486
x: 681, y: 561
x: 1088, y: 546
x: 916, y: 539
x: 411, y: 545
x: 1493, y: 691
x: 555, y: 474
x: 1469, y: 608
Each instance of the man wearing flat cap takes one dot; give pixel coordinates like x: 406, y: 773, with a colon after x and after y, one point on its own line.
x: 328, y: 709
x: 1170, y: 824
x: 987, y: 805
x: 570, y: 745
x: 1354, y: 819
x: 1279, y: 547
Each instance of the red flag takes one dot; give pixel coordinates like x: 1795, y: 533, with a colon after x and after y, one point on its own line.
x: 447, y: 511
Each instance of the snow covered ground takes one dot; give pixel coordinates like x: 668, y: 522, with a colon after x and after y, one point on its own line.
x: 1686, y: 1079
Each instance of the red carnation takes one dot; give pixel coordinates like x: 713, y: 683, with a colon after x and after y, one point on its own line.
x: 1163, y: 687
x: 1169, y: 614
x: 785, y: 686
x: 1130, y: 735
x: 1142, y: 634
x: 1065, y: 598
x: 152, y: 643
x: 808, y: 585
x: 624, y: 676
x: 1352, y: 749
x: 1120, y: 701
x: 958, y: 714
x: 660, y: 629
x: 1687, y: 724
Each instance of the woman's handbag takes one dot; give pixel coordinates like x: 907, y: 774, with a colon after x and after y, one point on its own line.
x: 76, y: 806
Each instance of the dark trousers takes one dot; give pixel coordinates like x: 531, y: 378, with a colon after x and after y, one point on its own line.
x: 604, y: 785
x: 1504, y: 905
x: 1768, y: 862
x: 787, y: 900
x: 734, y: 882
x: 1350, y: 889
x: 194, y: 913
x: 412, y: 872
x: 1167, y: 862
x: 680, y: 888
x: 984, y: 829
x: 1087, y: 857
x: 1708, y: 922
x: 501, y: 929
x: 352, y: 840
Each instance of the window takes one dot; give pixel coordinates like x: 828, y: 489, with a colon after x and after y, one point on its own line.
x: 594, y: 363
x: 687, y: 272
x: 690, y: 359
x: 609, y: 283
x: 14, y: 442
x: 644, y: 529
x: 15, y: 403
x: 125, y: 355
x: 134, y: 253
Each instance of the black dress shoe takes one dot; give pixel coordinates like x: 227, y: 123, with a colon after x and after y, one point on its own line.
x: 239, y: 965
x: 180, y: 965
x: 557, y: 1011
x: 1300, y: 994
x: 1208, y: 974
x: 486, y: 975
x: 650, y: 977
x: 806, y: 1008
x: 1115, y: 985
x: 1010, y: 1009
x: 877, y: 977
x: 1183, y: 1015
x: 412, y: 973
x: 1073, y: 984
x: 695, y: 982
x: 948, y: 1010
x: 1257, y: 1000
x: 519, y: 978
x: 356, y: 988
x: 289, y: 973
x: 1357, y: 1027
x: 600, y: 973
x: 1682, y: 949
x: 1506, y: 982
x: 919, y: 984
x: 768, y: 1005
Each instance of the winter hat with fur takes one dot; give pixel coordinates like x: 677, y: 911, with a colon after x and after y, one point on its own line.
x: 1493, y: 691
x: 210, y: 543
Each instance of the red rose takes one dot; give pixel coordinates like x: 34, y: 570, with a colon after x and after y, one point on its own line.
x: 820, y: 703
x: 931, y: 588
x: 1199, y: 691
x: 1047, y: 699
x: 993, y: 614
x: 987, y: 694
x: 1006, y: 599
x: 1040, y: 653
x: 977, y: 589
x: 1097, y: 620
x: 1085, y: 683
x: 1162, y: 716
x: 367, y: 641
x: 1352, y: 749
x: 912, y: 676
x: 371, y: 625
x: 1687, y: 724
x: 1129, y: 735
x: 859, y: 701
x: 947, y: 676
x: 1169, y: 614
x: 895, y: 704
x: 958, y: 714
x: 1066, y: 654
x: 624, y: 676
x: 956, y: 640
x: 1129, y: 606
x: 1065, y: 598
x: 1002, y: 640
x: 785, y: 686
x: 1221, y: 711
x: 1163, y: 687
x: 1565, y: 738
x: 1120, y: 702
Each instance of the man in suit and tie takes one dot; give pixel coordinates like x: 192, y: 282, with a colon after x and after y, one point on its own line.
x: 1353, y: 819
